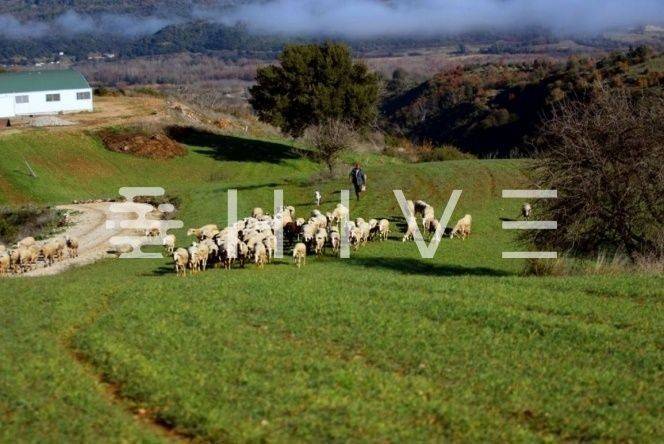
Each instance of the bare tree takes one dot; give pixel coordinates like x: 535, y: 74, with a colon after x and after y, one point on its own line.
x: 606, y: 159
x: 330, y: 139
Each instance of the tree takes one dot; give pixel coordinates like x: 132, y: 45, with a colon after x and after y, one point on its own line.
x: 605, y: 160
x: 330, y: 138
x: 315, y: 83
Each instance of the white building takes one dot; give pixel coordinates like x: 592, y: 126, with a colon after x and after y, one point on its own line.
x: 32, y: 93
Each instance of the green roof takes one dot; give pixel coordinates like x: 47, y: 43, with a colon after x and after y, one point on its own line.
x: 32, y: 81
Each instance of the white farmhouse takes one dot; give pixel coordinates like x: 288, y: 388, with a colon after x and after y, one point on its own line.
x: 32, y: 93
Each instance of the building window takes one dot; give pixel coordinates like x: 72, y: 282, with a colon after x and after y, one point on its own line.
x: 83, y: 95
x: 22, y: 99
x: 52, y: 97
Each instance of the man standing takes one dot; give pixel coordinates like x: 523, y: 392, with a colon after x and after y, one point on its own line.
x: 359, y: 180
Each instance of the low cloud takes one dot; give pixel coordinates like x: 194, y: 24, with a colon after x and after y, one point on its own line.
x: 72, y: 23
x: 368, y: 18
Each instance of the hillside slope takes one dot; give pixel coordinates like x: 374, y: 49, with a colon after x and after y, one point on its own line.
x: 382, y: 346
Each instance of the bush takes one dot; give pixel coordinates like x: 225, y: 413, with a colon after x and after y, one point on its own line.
x: 19, y: 222
x: 605, y: 160
x: 330, y: 139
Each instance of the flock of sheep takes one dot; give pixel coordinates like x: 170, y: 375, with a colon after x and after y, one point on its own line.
x: 28, y: 253
x: 253, y: 239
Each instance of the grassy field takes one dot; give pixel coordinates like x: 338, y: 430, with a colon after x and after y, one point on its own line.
x: 384, y: 346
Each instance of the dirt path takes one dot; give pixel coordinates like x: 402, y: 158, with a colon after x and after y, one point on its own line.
x: 89, y: 227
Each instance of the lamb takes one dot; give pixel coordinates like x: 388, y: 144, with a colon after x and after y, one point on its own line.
x: 72, y: 246
x: 300, y: 254
x: 462, y: 227
x: 169, y: 243
x: 181, y: 259
x: 5, y: 262
x: 384, y: 229
x: 410, y: 230
x: 526, y: 210
x: 260, y: 255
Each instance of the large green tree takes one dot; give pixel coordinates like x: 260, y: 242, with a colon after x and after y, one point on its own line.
x: 314, y: 84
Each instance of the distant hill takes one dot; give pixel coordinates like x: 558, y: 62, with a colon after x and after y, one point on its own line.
x: 494, y: 108
x: 43, y: 9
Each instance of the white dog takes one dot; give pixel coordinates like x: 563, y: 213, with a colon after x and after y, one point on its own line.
x: 318, y: 197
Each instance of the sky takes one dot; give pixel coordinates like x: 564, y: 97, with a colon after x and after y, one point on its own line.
x: 371, y: 18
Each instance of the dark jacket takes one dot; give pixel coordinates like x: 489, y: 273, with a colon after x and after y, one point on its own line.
x: 358, y: 177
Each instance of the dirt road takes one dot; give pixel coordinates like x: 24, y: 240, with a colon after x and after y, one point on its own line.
x: 89, y: 227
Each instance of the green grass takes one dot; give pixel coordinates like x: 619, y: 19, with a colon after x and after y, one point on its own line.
x: 384, y: 346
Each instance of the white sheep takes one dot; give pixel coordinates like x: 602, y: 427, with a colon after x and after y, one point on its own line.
x: 411, y: 227
x: 340, y: 213
x: 26, y: 242
x: 260, y: 255
x: 526, y: 210
x: 257, y: 212
x: 300, y: 254
x: 321, y: 237
x: 462, y: 227
x: 169, y: 243
x: 181, y: 259
x: 384, y: 229
x: 335, y: 240
x: 50, y: 252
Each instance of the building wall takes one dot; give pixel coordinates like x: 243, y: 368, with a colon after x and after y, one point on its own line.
x: 6, y: 105
x: 37, y: 103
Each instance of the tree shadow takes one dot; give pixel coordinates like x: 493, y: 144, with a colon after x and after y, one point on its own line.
x: 230, y: 148
x: 422, y: 267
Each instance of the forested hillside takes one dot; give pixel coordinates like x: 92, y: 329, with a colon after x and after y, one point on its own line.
x: 494, y: 108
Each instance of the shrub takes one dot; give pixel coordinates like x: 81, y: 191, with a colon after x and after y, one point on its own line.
x: 605, y: 160
x: 29, y: 220
x: 330, y: 139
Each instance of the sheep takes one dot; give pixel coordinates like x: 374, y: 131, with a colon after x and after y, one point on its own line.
x: 153, y: 229
x: 205, y: 232
x: 257, y: 212
x: 50, y: 252
x: 384, y: 229
x: 5, y: 262
x: 430, y: 224
x: 308, y: 233
x: 462, y: 227
x: 428, y: 213
x: 3, y: 249
x: 339, y: 213
x: 335, y: 240
x: 300, y: 254
x: 318, y: 197
x: 291, y: 231
x: 270, y: 243
x: 526, y: 210
x: 321, y: 237
x: 355, y: 237
x: 300, y: 221
x: 291, y: 210
x: 15, y: 259
x: 181, y: 259
x: 365, y: 231
x: 194, y: 260
x: 169, y: 243
x: 72, y: 246
x: 26, y: 242
x: 420, y: 207
x: 410, y: 229
x: 34, y: 251
x: 260, y: 255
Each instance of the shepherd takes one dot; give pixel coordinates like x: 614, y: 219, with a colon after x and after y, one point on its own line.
x: 359, y: 180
